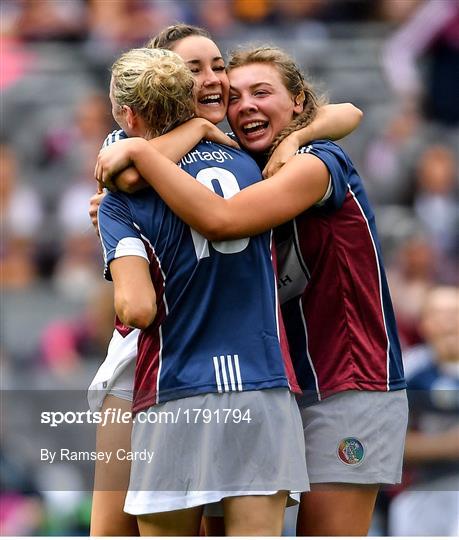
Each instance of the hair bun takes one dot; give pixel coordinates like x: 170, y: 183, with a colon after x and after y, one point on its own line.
x: 157, y: 85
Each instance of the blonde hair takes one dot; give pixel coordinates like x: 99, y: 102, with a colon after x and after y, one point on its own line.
x: 292, y: 79
x: 157, y: 85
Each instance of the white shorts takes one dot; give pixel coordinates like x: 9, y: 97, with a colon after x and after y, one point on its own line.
x: 116, y: 374
x: 186, y: 461
x: 356, y: 437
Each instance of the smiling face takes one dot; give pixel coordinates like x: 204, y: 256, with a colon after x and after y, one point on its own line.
x: 260, y: 105
x: 205, y: 61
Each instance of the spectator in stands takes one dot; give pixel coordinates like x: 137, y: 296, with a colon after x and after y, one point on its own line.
x: 435, y: 201
x: 66, y: 344
x: 388, y: 154
x: 16, y: 60
x: 411, y: 275
x: 126, y: 23
x: 77, y: 271
x: 433, y: 33
x: 216, y: 16
x: 50, y: 20
x: 21, y: 216
x: 71, y: 144
x: 430, y: 506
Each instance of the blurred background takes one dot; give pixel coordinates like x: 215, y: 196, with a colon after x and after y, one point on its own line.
x: 397, y: 60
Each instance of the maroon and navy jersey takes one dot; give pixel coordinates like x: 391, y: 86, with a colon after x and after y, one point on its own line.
x: 218, y: 325
x: 333, y: 289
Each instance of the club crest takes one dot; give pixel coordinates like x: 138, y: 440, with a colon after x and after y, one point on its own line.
x: 351, y: 451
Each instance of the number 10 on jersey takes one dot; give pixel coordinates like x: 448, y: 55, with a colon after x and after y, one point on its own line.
x: 229, y: 187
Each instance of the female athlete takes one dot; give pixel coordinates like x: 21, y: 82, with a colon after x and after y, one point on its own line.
x: 213, y: 380
x: 112, y: 386
x: 336, y: 302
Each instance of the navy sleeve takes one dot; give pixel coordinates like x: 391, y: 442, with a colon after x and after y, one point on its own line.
x: 113, y: 137
x: 118, y: 233
x: 337, y: 164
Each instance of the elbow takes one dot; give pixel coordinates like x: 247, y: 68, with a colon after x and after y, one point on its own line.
x: 213, y: 235
x: 139, y: 318
x: 356, y: 112
x: 136, y: 314
x: 216, y: 229
x: 129, y: 181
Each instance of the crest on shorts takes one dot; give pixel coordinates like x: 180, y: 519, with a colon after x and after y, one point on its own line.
x: 351, y: 451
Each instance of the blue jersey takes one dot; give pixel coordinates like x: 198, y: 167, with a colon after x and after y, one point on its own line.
x: 217, y: 327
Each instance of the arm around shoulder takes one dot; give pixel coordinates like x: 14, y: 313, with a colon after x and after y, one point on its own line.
x: 334, y: 121
x: 177, y: 143
x: 301, y: 183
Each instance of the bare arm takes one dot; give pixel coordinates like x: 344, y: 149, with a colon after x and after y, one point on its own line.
x: 135, y: 297
x: 174, y: 145
x: 177, y: 143
x: 333, y: 122
x: 298, y: 185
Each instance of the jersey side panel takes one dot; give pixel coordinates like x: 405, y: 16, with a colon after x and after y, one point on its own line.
x: 344, y: 336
